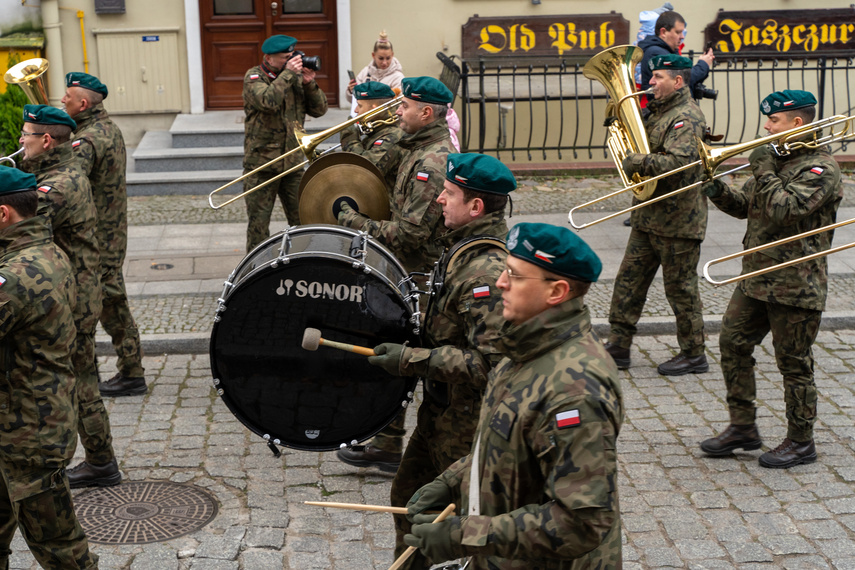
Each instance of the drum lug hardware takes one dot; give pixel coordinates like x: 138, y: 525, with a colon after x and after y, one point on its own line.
x: 284, y: 249
x: 359, y: 251
x: 274, y: 449
x: 216, y: 381
x: 220, y: 392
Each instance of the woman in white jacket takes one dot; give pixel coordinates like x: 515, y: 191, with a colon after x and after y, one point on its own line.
x: 384, y: 67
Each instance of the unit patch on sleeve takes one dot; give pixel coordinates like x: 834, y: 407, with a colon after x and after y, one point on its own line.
x: 817, y: 170
x: 568, y: 419
x: 423, y: 176
x: 481, y: 292
x: 678, y: 124
x: 44, y: 189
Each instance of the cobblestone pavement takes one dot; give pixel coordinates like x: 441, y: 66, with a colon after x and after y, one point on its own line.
x: 680, y: 509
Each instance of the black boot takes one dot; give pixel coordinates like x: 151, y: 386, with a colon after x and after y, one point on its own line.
x: 370, y: 456
x: 789, y: 454
x: 620, y: 355
x: 120, y: 385
x: 682, y: 364
x: 88, y: 475
x: 734, y: 437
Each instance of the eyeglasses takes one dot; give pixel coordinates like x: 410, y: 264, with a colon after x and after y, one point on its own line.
x: 24, y: 133
x: 512, y: 275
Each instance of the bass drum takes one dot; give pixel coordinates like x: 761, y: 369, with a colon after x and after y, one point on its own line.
x: 330, y: 278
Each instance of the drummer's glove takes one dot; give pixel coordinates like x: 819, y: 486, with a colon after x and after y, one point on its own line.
x: 401, y: 360
x: 434, y: 495
x: 344, y: 204
x: 438, y: 541
x: 762, y: 161
x: 713, y: 188
x: 634, y: 162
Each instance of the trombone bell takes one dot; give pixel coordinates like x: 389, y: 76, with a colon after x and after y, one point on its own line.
x: 29, y: 76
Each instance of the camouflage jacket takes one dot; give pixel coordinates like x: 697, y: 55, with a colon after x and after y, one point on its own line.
x: 802, y: 194
x: 670, y: 128
x: 380, y: 147
x: 104, y: 160
x: 275, y: 107
x: 38, y: 407
x: 416, y: 222
x: 65, y: 198
x: 546, y: 453
x: 462, y: 324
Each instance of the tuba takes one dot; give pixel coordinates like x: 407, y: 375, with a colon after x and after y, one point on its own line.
x: 615, y: 69
x: 28, y: 75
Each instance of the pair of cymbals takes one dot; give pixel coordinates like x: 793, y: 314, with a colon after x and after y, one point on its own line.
x: 340, y: 175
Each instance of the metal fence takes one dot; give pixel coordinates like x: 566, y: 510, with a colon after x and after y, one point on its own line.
x: 552, y: 112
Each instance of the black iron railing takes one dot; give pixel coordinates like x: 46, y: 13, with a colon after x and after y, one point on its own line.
x: 552, y: 112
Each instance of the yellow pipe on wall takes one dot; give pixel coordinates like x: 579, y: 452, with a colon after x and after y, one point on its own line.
x: 80, y: 15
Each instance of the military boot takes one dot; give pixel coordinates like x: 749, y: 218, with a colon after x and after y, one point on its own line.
x: 732, y: 438
x: 120, y: 385
x: 370, y: 456
x: 620, y: 355
x: 789, y: 454
x: 682, y: 364
x: 88, y: 475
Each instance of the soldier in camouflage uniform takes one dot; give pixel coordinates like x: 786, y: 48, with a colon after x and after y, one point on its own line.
x: 787, y: 195
x: 462, y: 323
x: 38, y: 412
x: 539, y: 488
x: 380, y: 146
x: 669, y: 232
x: 65, y: 198
x: 102, y: 154
x: 277, y: 95
x: 413, y: 231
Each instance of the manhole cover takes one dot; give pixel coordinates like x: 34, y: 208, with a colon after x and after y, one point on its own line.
x: 143, y: 512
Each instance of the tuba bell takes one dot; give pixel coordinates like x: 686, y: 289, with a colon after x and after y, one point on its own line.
x: 615, y: 69
x: 29, y: 76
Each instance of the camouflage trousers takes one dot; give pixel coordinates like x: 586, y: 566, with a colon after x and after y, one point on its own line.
x: 391, y: 437
x: 93, y: 423
x: 746, y: 322
x: 679, y: 258
x: 48, y: 523
x: 118, y: 322
x: 259, y: 204
x: 430, y: 451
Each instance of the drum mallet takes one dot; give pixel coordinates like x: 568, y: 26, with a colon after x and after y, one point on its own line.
x: 312, y: 340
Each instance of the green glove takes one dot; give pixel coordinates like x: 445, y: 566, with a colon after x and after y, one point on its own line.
x: 713, y: 188
x: 436, y: 494
x: 762, y: 161
x: 631, y: 164
x: 388, y: 357
x: 440, y: 541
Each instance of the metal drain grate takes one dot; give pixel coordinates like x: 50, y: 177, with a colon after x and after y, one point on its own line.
x: 143, y: 512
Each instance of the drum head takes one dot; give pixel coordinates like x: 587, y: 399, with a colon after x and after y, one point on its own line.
x: 337, y: 175
x: 313, y: 400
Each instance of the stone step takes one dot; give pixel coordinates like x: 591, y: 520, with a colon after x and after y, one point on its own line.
x: 188, y: 183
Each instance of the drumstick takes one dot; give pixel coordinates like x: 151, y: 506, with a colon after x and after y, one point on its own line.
x: 409, y: 551
x: 312, y: 339
x: 359, y: 507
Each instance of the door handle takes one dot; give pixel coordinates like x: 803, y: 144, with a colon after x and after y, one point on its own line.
x: 273, y: 7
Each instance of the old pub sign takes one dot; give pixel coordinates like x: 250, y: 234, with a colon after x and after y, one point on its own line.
x: 543, y: 37
x: 783, y: 33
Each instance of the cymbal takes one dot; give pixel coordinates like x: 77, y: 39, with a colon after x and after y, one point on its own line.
x: 337, y: 175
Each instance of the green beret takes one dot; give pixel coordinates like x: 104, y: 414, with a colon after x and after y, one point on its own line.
x: 556, y: 249
x: 670, y: 61
x: 787, y: 100
x: 480, y: 172
x: 80, y: 79
x: 426, y: 90
x: 373, y: 90
x: 13, y: 180
x: 47, y: 115
x: 278, y: 44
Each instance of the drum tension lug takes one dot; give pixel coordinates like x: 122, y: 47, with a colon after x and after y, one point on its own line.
x: 274, y: 449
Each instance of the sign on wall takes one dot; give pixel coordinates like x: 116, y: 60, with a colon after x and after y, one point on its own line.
x: 543, y: 36
x: 783, y: 33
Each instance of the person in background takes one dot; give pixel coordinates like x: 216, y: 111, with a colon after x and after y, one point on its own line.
x: 384, y: 68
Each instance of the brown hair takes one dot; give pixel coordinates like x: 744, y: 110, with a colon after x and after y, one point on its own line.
x: 25, y: 203
x: 383, y: 42
x: 492, y: 202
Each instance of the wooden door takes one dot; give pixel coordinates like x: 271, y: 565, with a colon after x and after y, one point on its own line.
x: 233, y: 31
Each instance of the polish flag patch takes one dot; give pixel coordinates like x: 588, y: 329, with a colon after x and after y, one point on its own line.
x: 481, y: 292
x: 44, y: 189
x: 817, y: 170
x: 2, y: 280
x: 678, y: 125
x: 76, y: 143
x: 378, y: 142
x: 423, y: 176
x: 254, y: 76
x: 788, y: 103
x: 568, y: 419
x: 543, y: 256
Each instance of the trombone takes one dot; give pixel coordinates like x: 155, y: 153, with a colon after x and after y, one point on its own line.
x: 782, y: 144
x: 782, y: 241
x: 308, y: 144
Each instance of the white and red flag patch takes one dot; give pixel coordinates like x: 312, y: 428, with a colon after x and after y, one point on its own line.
x: 423, y: 176
x: 44, y: 189
x: 788, y: 103
x: 678, y: 124
x: 378, y: 142
x: 481, y: 292
x: 817, y: 170
x: 2, y: 280
x: 254, y: 76
x: 76, y: 143
x: 543, y: 256
x: 568, y: 419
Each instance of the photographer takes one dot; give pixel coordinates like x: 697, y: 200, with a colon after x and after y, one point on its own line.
x: 670, y: 28
x: 276, y: 97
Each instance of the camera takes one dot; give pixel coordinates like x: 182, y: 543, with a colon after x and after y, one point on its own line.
x: 312, y: 62
x: 700, y: 91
